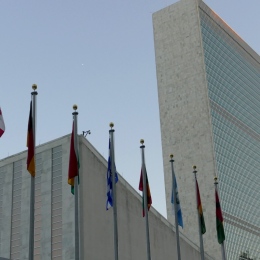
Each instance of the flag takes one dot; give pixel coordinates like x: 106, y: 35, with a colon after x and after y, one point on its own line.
x: 109, y: 203
x: 30, y: 145
x: 73, y: 162
x: 219, y: 220
x: 148, y: 192
x: 199, y: 206
x: 2, y: 123
x: 179, y: 214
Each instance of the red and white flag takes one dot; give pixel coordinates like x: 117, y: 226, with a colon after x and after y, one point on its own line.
x: 2, y: 124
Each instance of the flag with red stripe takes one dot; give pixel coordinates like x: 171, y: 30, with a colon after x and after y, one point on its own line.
x: 2, y: 123
x: 30, y: 145
x: 148, y: 192
x: 73, y: 162
x: 219, y: 220
x: 199, y: 207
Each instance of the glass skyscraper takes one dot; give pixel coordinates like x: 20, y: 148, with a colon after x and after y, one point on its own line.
x: 234, y: 93
x: 209, y: 96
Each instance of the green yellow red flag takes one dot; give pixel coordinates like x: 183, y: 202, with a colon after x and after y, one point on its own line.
x: 199, y: 207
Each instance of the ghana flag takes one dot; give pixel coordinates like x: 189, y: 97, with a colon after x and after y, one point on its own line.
x: 199, y: 206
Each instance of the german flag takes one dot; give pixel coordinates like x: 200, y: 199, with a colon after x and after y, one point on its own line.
x: 73, y: 162
x: 30, y: 145
x: 148, y: 192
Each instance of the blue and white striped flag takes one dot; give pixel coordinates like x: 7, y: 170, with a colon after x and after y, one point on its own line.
x: 109, y: 203
x: 179, y: 214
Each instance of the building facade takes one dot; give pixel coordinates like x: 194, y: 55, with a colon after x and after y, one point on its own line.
x: 54, y: 234
x: 209, y: 95
x: 54, y: 218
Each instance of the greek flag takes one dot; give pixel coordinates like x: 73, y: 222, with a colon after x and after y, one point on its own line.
x: 109, y: 203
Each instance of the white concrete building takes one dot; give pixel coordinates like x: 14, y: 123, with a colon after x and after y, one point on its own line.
x: 209, y: 95
x: 54, y: 211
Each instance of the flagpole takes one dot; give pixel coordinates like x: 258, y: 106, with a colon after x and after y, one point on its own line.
x: 200, y: 232
x: 145, y: 201
x: 175, y: 209
x: 222, y: 244
x: 113, y: 169
x: 32, y: 196
x: 76, y: 193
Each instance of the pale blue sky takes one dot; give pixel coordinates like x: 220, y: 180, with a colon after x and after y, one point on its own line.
x: 100, y: 55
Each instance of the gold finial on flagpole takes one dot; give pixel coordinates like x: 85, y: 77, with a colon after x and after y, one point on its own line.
x: 111, y: 125
x: 194, y: 170
x: 34, y: 87
x: 142, y: 141
x: 75, y: 107
x: 171, y: 155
